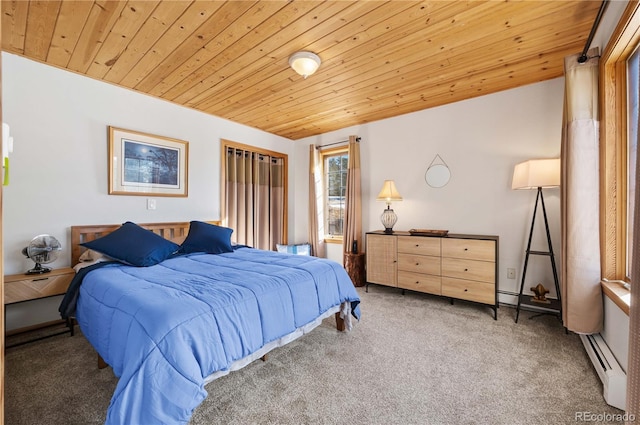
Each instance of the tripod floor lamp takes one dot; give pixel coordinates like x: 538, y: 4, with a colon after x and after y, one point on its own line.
x: 538, y: 174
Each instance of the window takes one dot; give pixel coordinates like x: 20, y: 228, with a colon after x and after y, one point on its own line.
x: 633, y: 76
x: 618, y: 145
x: 334, y: 163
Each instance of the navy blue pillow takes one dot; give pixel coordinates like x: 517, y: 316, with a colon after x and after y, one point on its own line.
x: 134, y: 245
x: 209, y: 238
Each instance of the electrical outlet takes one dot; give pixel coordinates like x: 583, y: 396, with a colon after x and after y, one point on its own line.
x: 151, y: 204
x: 511, y: 273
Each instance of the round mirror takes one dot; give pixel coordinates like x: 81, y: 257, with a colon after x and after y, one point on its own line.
x: 437, y: 175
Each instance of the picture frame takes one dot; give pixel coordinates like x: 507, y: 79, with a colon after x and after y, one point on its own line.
x: 143, y: 164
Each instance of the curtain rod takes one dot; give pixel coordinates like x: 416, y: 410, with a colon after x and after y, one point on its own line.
x: 583, y: 57
x: 336, y: 143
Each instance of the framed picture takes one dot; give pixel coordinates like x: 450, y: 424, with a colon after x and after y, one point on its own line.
x: 144, y: 164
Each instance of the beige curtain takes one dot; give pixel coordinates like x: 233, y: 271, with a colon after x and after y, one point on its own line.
x: 353, y: 200
x: 581, y: 292
x: 275, y: 172
x: 255, y: 198
x: 633, y: 362
x: 316, y: 239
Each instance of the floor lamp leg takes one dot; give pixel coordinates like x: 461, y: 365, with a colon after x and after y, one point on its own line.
x: 526, y: 257
x: 552, y: 256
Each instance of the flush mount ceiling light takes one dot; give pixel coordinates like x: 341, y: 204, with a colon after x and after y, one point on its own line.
x: 304, y: 63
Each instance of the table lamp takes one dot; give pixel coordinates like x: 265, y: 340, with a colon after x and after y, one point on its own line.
x: 387, y: 194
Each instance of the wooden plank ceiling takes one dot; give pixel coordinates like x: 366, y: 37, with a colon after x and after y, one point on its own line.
x: 230, y: 58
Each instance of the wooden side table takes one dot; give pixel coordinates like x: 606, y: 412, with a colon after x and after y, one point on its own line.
x: 27, y: 287
x: 354, y: 265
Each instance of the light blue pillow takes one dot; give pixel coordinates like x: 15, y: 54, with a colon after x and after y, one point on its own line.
x: 134, y: 245
x: 298, y: 249
x: 208, y: 238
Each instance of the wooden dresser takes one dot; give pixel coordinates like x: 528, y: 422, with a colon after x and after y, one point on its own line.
x: 455, y: 266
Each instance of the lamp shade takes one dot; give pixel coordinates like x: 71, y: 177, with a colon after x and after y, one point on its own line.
x: 536, y: 173
x: 304, y: 63
x: 389, y: 192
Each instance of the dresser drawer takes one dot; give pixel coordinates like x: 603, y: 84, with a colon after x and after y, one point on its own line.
x: 471, y: 249
x: 419, y: 245
x: 483, y: 271
x: 30, y: 287
x: 419, y: 263
x: 419, y: 282
x: 469, y: 290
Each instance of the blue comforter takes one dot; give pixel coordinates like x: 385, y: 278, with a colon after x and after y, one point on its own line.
x: 165, y: 328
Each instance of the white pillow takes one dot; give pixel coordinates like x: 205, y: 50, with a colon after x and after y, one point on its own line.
x: 90, y: 257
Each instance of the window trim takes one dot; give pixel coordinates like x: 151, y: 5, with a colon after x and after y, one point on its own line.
x: 613, y: 143
x: 335, y: 239
x: 619, y: 295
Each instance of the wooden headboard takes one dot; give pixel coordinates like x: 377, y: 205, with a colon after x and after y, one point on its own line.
x: 175, y: 232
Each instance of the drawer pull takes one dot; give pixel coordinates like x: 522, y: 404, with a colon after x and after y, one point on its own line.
x: 465, y: 290
x: 42, y: 278
x: 466, y: 270
x: 417, y: 264
x: 417, y: 245
x: 417, y: 282
x: 466, y: 249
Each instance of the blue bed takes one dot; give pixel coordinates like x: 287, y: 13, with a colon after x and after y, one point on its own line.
x: 169, y: 328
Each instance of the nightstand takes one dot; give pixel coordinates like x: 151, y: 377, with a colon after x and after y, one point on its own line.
x: 27, y: 287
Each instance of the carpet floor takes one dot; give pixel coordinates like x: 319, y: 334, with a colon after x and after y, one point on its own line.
x: 412, y: 359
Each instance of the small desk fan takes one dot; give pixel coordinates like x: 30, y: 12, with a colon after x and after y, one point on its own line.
x: 42, y: 249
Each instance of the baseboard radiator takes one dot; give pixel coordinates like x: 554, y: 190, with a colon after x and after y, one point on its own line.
x: 614, y: 379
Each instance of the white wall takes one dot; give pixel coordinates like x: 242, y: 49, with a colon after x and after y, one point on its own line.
x: 59, y: 165
x: 608, y: 23
x: 481, y: 140
x: 616, y: 332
